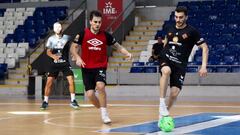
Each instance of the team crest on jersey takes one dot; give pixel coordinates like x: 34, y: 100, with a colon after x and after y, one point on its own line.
x: 175, y: 39
x: 184, y: 36
x: 95, y: 42
x: 181, y: 79
x: 101, y: 73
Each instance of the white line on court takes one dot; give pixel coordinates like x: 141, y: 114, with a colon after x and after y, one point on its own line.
x: 48, y: 121
x: 5, y: 118
x: 38, y: 104
x: 187, y: 106
x: 130, y: 105
x: 28, y: 112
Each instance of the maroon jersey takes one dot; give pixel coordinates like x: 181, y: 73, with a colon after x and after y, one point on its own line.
x: 94, y: 47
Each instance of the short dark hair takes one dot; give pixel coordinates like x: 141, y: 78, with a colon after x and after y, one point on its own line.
x: 182, y: 9
x: 95, y: 13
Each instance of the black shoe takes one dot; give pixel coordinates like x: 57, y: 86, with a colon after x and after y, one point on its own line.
x: 44, y: 105
x: 74, y: 104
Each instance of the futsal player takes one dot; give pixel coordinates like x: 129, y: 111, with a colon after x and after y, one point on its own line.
x: 179, y: 41
x: 58, y: 49
x: 93, y: 61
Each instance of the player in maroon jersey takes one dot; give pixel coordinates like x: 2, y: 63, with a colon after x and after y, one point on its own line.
x: 93, y: 60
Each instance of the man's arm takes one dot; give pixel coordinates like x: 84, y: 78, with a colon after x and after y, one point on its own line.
x: 203, y: 69
x: 153, y: 52
x: 122, y: 50
x: 74, y: 52
x: 49, y: 50
x: 164, y: 41
x: 53, y: 56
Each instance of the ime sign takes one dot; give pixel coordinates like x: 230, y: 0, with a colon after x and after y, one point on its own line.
x: 111, y: 9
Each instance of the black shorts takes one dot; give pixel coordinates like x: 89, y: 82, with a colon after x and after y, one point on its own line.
x: 92, y: 76
x: 177, y: 75
x: 63, y: 67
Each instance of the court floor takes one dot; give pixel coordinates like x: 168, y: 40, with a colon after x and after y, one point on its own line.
x: 22, y: 116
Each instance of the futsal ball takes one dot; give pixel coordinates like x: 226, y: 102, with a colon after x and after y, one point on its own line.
x: 166, y: 124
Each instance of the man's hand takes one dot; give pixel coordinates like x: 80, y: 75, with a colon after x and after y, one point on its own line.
x: 56, y: 57
x: 80, y: 62
x: 203, y: 72
x: 129, y: 56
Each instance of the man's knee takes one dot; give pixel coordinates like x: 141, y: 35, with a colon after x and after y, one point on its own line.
x: 100, y: 86
x: 166, y: 70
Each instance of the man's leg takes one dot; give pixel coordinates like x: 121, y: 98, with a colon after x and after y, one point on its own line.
x: 71, y: 84
x: 173, y: 96
x: 48, y: 86
x: 102, y: 93
x: 90, y: 85
x: 166, y: 71
x: 47, y: 91
x: 176, y: 82
x: 92, y: 98
x: 73, y: 103
x: 100, y: 86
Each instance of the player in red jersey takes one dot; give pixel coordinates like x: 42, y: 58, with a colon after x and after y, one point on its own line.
x: 93, y: 60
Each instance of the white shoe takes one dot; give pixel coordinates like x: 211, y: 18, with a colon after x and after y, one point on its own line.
x: 104, y: 114
x: 163, y: 111
x: 106, y: 119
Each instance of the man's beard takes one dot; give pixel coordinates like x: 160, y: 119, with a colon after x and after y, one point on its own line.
x: 180, y: 24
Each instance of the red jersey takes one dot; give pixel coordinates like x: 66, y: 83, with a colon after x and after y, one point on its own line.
x: 94, y: 47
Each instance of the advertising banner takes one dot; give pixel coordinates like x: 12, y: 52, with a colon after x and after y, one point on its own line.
x: 78, y: 81
x: 110, y: 9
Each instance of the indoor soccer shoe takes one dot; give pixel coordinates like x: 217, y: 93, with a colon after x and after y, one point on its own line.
x: 163, y: 111
x: 74, y: 104
x: 106, y: 119
x: 44, y: 105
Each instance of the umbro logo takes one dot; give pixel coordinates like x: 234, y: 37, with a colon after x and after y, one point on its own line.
x: 95, y: 42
